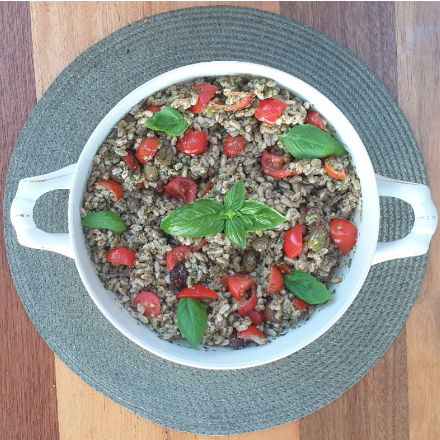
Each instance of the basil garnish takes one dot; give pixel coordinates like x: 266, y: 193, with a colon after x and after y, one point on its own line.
x: 309, y: 142
x: 104, y: 220
x: 258, y: 216
x: 234, y: 198
x: 191, y: 320
x: 306, y: 287
x: 235, y: 231
x: 168, y: 120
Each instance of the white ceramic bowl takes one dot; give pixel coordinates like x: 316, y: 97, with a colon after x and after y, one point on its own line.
x: 366, y: 253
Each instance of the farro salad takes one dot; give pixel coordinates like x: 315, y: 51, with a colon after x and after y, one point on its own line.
x: 217, y: 210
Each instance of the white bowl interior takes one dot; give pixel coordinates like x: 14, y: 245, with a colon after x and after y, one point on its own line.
x: 353, y: 270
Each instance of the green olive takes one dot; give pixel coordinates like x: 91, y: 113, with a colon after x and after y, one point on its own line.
x: 260, y: 244
x: 150, y: 172
x: 249, y: 260
x: 164, y: 156
x: 317, y: 239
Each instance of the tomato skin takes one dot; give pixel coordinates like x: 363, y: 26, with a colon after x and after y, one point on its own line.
x: 120, y: 256
x: 199, y: 246
x: 150, y: 301
x: 293, y: 241
x: 131, y: 161
x: 207, y: 91
x: 238, y: 284
x: 250, y: 331
x: 299, y: 304
x: 181, y: 188
x: 334, y: 169
x: 207, y: 188
x: 176, y: 255
x: 147, y: 149
x: 343, y: 233
x: 224, y: 280
x: 113, y: 186
x: 275, y: 281
x: 153, y: 108
x: 197, y: 292
x: 273, y: 165
x: 269, y: 110
x: 244, y: 101
x: 283, y: 268
x: 315, y: 119
x: 256, y: 317
x: 193, y: 142
x: 232, y: 145
x: 246, y: 306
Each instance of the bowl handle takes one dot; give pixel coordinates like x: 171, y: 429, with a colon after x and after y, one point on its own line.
x: 425, y: 219
x: 29, y: 190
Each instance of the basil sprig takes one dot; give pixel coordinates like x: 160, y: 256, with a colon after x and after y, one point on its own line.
x: 309, y: 142
x: 191, y: 320
x: 306, y: 287
x: 104, y: 220
x: 168, y: 120
x: 208, y: 217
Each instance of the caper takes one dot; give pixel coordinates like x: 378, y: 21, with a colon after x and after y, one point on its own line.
x: 164, y: 156
x: 317, y: 239
x: 150, y: 172
x: 249, y: 260
x: 260, y: 244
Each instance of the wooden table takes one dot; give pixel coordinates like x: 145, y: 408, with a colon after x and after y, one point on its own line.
x: 40, y: 398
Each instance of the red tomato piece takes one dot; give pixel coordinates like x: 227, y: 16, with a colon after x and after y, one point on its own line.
x: 131, y: 161
x: 269, y: 314
x: 232, y: 145
x: 299, y: 304
x: 160, y: 187
x: 207, y: 188
x: 249, y: 332
x: 275, y: 281
x: 343, y: 233
x: 207, y: 91
x: 246, y: 306
x: 238, y: 284
x: 244, y: 100
x: 120, y: 256
x: 256, y: 317
x: 153, y: 108
x: 147, y: 149
x: 199, y: 246
x: 197, y: 292
x: 269, y: 110
x: 273, y: 165
x: 224, y: 280
x: 113, y: 186
x: 334, y: 168
x: 176, y: 255
x: 293, y: 241
x: 315, y: 119
x: 150, y: 302
x: 283, y: 268
x: 181, y: 188
x: 193, y: 142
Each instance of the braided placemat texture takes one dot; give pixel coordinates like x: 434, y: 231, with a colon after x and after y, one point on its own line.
x: 179, y: 397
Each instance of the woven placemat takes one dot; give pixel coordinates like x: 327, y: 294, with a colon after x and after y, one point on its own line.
x: 183, y: 398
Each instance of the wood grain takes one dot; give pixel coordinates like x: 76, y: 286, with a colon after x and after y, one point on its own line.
x: 28, y: 406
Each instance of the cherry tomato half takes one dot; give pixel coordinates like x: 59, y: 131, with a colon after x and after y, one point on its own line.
x: 149, y: 301
x: 153, y: 108
x: 113, y: 186
x: 176, y: 255
x: 181, y: 188
x: 299, y: 304
x: 193, y: 142
x: 120, y: 256
x: 207, y: 91
x: 273, y: 164
x: 233, y: 145
x: 256, y: 317
x: 275, y: 281
x: 244, y: 100
x: 197, y: 292
x: 249, y: 332
x: 293, y: 241
x: 315, y: 119
x: 343, y: 233
x: 283, y: 268
x: 269, y: 110
x: 147, y: 149
x: 246, y: 306
x: 131, y: 161
x: 334, y: 168
x: 238, y: 284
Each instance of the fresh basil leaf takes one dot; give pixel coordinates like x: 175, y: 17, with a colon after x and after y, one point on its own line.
x: 168, y: 120
x: 104, y: 220
x: 191, y: 320
x: 197, y: 219
x: 306, y: 287
x: 235, y: 231
x: 257, y: 216
x: 309, y: 142
x: 234, y: 198
x: 222, y: 215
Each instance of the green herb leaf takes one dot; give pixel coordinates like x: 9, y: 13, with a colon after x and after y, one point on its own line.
x: 257, y: 216
x: 309, y: 142
x: 306, y: 287
x: 197, y: 219
x: 234, y: 198
x: 104, y: 220
x: 235, y: 231
x: 191, y: 319
x: 168, y: 120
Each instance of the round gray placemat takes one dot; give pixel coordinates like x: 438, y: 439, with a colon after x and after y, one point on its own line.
x: 183, y: 398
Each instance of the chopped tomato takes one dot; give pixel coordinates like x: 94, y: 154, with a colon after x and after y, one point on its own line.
x: 246, y: 306
x: 131, y: 161
x: 120, y: 256
x: 207, y: 91
x: 283, y: 268
x: 176, y: 255
x: 197, y: 292
x: 207, y: 188
x: 238, y: 284
x: 256, y: 317
x: 315, y: 119
x: 343, y: 233
x: 153, y: 108
x: 232, y: 145
x: 224, y: 280
x: 244, y: 100
x: 273, y: 165
x: 299, y: 304
x: 147, y: 149
x: 275, y: 281
x: 269, y: 314
x: 181, y: 188
x: 293, y: 241
x: 249, y: 332
x: 160, y: 188
x: 269, y: 110
x: 199, y: 246
x: 334, y: 168
x: 113, y: 186
x: 193, y: 142
x: 149, y: 301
